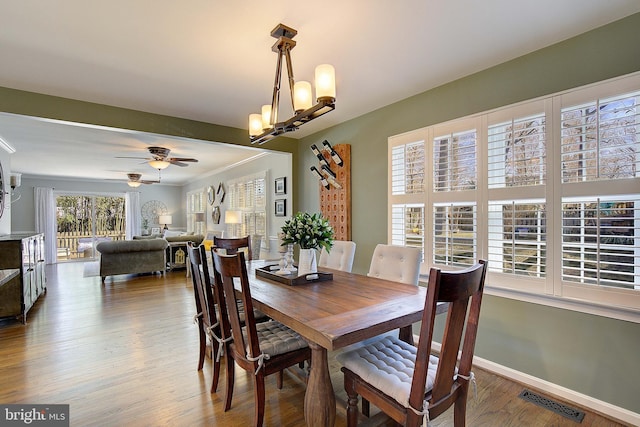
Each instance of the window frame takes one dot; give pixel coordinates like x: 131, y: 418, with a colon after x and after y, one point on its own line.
x: 551, y: 289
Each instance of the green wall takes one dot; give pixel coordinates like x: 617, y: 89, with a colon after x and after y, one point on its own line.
x: 590, y: 354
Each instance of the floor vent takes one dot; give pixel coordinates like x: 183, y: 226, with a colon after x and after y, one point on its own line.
x: 557, y: 407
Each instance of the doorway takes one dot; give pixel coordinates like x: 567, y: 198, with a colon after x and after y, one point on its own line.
x: 83, y: 221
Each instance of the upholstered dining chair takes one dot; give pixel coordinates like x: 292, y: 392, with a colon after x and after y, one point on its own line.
x: 259, y: 348
x: 206, y: 314
x: 396, y: 263
x: 233, y: 244
x: 340, y: 257
x: 408, y: 383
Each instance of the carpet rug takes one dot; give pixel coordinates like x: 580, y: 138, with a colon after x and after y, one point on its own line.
x: 91, y: 269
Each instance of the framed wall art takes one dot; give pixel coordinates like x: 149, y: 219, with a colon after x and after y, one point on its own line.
x: 211, y: 195
x: 281, y: 207
x: 281, y: 185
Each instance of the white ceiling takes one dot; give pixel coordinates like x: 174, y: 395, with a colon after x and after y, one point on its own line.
x: 212, y: 61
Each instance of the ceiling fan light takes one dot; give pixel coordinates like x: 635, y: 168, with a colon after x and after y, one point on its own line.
x: 159, y: 164
x: 134, y: 184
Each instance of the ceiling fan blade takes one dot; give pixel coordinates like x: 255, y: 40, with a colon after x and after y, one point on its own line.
x: 178, y: 163
x: 127, y: 157
x: 182, y: 159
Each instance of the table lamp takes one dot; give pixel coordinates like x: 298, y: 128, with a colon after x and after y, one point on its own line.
x: 232, y: 218
x: 199, y: 220
x: 165, y: 219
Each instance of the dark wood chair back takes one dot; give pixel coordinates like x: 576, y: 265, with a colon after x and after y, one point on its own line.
x: 455, y: 288
x: 228, y: 267
x: 231, y: 245
x: 462, y: 291
x: 244, y: 350
x: 206, y: 317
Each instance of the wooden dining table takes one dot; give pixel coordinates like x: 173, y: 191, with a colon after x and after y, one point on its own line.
x: 333, y: 314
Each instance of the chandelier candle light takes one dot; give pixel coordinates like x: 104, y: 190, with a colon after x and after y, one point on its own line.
x: 265, y: 126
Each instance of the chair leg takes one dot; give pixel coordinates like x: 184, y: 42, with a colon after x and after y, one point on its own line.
x: 230, y: 379
x: 215, y: 366
x: 259, y: 398
x: 279, y: 379
x: 460, y: 410
x: 366, y: 408
x: 352, y: 400
x: 203, y: 344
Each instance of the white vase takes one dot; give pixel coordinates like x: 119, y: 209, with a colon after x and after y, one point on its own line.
x: 307, y: 262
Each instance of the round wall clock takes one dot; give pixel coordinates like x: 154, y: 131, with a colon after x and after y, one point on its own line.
x: 152, y: 209
x: 2, y: 192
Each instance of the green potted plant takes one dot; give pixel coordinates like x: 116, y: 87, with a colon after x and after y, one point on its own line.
x: 311, y: 232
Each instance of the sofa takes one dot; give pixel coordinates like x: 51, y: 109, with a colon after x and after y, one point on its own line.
x: 177, y: 238
x: 132, y: 256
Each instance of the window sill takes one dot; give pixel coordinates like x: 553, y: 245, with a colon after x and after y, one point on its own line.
x: 619, y: 313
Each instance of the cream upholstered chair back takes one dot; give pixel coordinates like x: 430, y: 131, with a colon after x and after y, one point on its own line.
x: 340, y: 257
x: 396, y: 263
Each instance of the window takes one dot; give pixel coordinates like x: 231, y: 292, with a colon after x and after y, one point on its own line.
x: 84, y: 220
x: 548, y: 191
x: 196, y: 205
x: 248, y: 195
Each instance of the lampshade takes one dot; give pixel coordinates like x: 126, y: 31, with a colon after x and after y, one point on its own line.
x: 302, y: 96
x: 159, y: 164
x: 134, y: 184
x: 164, y: 219
x: 266, y: 116
x: 15, y: 180
x: 199, y: 217
x: 233, y: 217
x: 325, y: 81
x: 255, y: 124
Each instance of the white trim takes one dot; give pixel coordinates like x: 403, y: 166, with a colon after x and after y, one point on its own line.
x: 592, y: 404
x: 7, y: 147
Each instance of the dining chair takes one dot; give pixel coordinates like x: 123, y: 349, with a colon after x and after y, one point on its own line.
x: 396, y: 263
x: 259, y: 348
x: 340, y: 257
x: 407, y: 382
x: 233, y: 244
x: 206, y: 316
x: 208, y: 311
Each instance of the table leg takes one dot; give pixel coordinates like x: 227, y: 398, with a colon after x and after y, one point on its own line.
x: 319, y: 399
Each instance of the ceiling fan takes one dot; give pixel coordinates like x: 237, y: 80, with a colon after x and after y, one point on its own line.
x: 161, y: 160
x: 135, y: 179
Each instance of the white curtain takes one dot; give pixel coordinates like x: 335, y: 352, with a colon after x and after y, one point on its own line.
x: 45, y: 204
x: 133, y: 214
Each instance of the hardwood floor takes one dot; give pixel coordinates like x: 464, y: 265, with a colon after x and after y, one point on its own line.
x: 125, y: 353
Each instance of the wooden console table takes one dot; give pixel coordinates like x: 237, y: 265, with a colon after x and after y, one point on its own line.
x: 176, y: 255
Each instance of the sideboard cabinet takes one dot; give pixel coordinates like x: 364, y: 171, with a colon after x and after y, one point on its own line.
x: 26, y: 253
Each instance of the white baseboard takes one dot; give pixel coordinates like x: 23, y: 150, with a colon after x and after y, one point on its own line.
x: 582, y: 400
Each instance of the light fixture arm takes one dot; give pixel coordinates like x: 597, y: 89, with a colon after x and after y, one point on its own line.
x: 283, y: 48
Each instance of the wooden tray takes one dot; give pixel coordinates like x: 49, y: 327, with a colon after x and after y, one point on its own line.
x: 293, y: 279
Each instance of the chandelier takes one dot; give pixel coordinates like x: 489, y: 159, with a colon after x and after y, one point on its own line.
x: 265, y: 126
